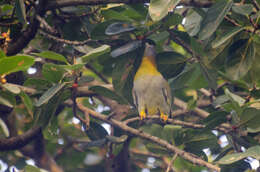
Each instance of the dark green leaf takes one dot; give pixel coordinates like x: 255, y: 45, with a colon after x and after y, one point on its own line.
x: 250, y: 118
x: 111, y: 14
x: 49, y: 94
x: 214, y: 17
x: 7, y: 99
x: 108, y: 93
x: 27, y: 102
x: 240, y: 59
x: 223, y: 38
x: 210, y: 75
x: 96, y: 131
x: 215, y: 119
x: 20, y: 11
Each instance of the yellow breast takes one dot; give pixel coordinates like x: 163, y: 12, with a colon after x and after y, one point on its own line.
x: 147, y: 67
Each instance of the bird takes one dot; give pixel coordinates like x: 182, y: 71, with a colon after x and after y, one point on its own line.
x: 151, y: 91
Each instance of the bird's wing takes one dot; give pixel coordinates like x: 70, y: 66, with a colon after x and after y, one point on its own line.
x: 135, y: 98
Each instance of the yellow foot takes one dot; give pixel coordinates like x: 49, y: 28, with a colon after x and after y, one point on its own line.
x: 164, y: 117
x: 142, y: 115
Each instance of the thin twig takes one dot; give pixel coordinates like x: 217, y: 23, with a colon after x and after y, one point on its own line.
x: 256, y: 5
x: 188, y: 156
x: 46, y: 25
x: 171, y: 162
x: 169, y: 121
x: 65, y: 41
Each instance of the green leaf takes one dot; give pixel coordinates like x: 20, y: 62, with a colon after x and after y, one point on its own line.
x: 85, y: 79
x: 214, y: 17
x: 15, y: 63
x: 30, y: 168
x: 239, y: 100
x: 169, y: 132
x: 119, y: 27
x: 108, y: 93
x: 27, y: 102
x: 96, y: 52
x: 7, y: 99
x: 111, y: 14
x: 20, y: 11
x: 192, y: 22
x: 72, y: 67
x: 52, y: 55
x: 240, y: 59
x: 172, y: 20
x: 126, y: 48
x: 52, y: 72
x: 2, y: 54
x: 253, y: 152
x: 12, y: 88
x: 39, y: 84
x: 227, y: 35
x: 170, y: 57
x: 160, y: 37
x: 244, y: 9
x: 158, y: 9
x: 186, y: 77
x: 96, y: 131
x: 215, y: 119
x: 210, y: 75
x: 250, y: 118
x: 49, y: 94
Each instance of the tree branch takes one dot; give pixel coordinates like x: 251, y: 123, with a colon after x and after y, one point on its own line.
x: 188, y: 156
x: 64, y: 3
x: 18, y: 142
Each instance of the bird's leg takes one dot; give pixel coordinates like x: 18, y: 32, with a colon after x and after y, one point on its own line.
x: 142, y: 114
x: 163, y: 117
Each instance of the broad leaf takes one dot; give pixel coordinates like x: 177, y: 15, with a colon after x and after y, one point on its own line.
x: 240, y: 58
x: 15, y: 63
x: 158, y: 9
x: 96, y: 52
x: 253, y: 152
x: 52, y: 55
x: 20, y: 11
x: 126, y: 48
x: 214, y: 17
x: 108, y: 93
x: 244, y: 9
x: 49, y: 94
x: 52, y: 72
x: 119, y: 27
x: 223, y: 38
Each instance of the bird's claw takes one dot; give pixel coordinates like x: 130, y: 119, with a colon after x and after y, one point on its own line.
x: 142, y: 115
x: 164, y: 117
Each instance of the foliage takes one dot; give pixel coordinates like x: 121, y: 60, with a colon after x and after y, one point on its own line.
x: 88, y: 52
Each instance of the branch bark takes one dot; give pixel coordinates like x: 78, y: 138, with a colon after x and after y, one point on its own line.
x: 188, y: 156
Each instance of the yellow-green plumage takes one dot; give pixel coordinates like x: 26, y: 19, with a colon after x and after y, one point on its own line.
x: 151, y: 92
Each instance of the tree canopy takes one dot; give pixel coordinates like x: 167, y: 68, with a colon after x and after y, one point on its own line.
x: 66, y: 75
